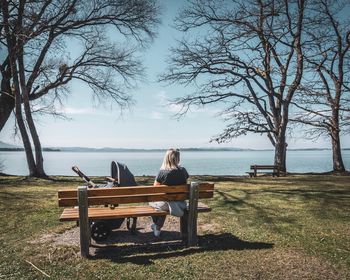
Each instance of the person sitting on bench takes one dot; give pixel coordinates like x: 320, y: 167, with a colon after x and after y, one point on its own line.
x: 171, y: 174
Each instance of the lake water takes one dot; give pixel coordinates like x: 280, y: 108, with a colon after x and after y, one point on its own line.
x: 148, y: 163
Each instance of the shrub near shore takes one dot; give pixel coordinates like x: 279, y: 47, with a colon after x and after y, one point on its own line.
x: 290, y: 227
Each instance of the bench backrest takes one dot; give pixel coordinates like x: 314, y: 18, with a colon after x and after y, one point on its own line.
x: 266, y: 167
x: 134, y: 194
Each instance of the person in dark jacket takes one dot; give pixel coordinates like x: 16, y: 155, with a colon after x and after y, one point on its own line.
x: 171, y: 174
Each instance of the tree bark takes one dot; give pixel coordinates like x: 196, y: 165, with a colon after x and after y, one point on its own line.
x: 338, y: 165
x: 334, y: 131
x: 280, y: 153
x: 23, y: 131
x: 39, y: 160
x: 7, y: 100
x: 7, y: 105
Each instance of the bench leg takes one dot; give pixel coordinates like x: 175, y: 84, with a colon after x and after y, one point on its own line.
x: 192, y: 215
x: 183, y: 226
x: 84, y: 222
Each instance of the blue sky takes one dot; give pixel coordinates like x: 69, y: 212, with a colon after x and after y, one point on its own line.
x: 150, y: 122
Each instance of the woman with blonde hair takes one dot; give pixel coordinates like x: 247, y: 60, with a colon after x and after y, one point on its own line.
x: 171, y: 174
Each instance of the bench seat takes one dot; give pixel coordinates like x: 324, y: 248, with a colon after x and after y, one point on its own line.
x: 105, y: 213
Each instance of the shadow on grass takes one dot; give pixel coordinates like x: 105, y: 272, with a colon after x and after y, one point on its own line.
x: 315, y: 180
x: 320, y: 202
x: 67, y: 180
x: 146, y: 254
x: 263, y: 213
x: 12, y: 180
x: 327, y: 196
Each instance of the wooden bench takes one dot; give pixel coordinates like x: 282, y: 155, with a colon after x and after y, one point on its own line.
x: 84, y: 197
x: 256, y: 169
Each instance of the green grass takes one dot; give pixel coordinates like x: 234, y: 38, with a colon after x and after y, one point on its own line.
x: 294, y: 227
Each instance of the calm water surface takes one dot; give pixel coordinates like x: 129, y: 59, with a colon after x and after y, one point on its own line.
x: 148, y: 163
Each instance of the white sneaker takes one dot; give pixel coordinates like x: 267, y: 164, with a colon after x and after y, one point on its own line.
x: 156, y: 232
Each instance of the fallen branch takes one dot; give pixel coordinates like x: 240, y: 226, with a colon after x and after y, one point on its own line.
x: 43, y: 272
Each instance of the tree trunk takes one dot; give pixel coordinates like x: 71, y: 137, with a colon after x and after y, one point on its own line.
x: 25, y: 137
x: 39, y: 171
x: 280, y: 154
x: 7, y: 100
x: 334, y: 132
x: 338, y: 164
x: 7, y: 104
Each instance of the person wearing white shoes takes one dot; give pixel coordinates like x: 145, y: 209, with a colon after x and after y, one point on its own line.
x: 170, y: 174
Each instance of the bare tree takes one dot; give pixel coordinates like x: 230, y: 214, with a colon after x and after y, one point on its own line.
x: 246, y: 54
x: 324, y: 96
x: 37, y: 66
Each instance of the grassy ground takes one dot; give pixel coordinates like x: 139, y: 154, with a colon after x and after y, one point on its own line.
x: 294, y: 227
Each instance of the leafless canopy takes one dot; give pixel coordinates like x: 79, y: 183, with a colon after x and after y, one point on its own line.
x: 51, y: 42
x: 246, y: 54
x: 323, y: 98
x: 62, y: 40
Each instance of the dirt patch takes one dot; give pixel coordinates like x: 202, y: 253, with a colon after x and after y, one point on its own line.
x: 143, y: 235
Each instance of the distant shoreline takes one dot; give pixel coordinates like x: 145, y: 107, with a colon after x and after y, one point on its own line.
x: 124, y: 150
x: 21, y: 150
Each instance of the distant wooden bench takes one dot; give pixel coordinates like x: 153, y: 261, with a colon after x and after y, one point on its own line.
x: 84, y: 197
x: 274, y: 171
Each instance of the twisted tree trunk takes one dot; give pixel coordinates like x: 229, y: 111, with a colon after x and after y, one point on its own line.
x: 39, y: 160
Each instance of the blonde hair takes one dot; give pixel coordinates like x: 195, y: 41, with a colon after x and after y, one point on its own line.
x: 171, y: 159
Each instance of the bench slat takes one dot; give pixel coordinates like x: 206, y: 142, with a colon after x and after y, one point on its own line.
x: 263, y: 167
x: 134, y: 190
x: 124, y: 199
x: 104, y: 213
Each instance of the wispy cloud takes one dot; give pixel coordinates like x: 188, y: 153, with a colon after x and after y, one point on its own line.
x: 162, y: 98
x: 156, y: 115
x: 166, y: 108
x: 174, y: 108
x: 78, y: 111
x: 164, y: 102
x: 82, y: 111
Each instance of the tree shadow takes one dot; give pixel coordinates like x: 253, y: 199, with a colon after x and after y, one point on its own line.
x: 147, y: 253
x: 66, y: 179
x: 318, y: 201
x: 328, y: 196
x: 216, y: 179
x: 11, y: 180
x: 323, y: 198
x: 264, y: 213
